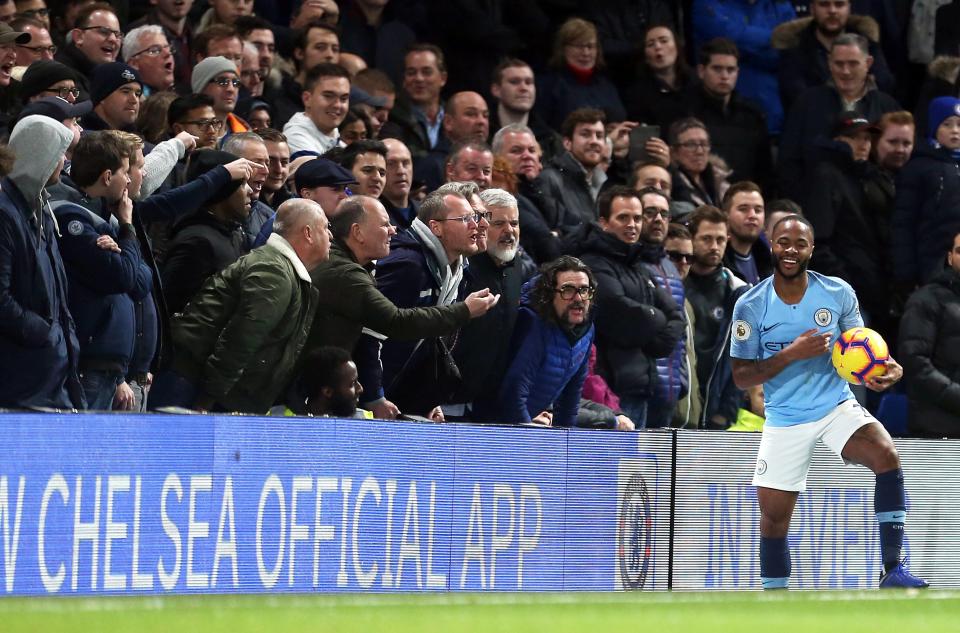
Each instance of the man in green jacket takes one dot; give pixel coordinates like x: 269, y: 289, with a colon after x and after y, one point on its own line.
x: 349, y: 300
x: 239, y: 339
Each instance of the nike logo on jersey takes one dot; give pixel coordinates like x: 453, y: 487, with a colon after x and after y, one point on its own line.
x: 764, y: 330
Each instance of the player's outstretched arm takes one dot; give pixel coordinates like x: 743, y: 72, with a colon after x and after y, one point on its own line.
x: 750, y: 373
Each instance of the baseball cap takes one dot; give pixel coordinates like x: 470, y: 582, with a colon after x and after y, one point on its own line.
x: 56, y: 108
x: 9, y: 36
x: 109, y: 77
x: 321, y: 172
x: 849, y: 123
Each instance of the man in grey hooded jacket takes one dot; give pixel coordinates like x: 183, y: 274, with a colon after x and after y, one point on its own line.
x: 38, y: 341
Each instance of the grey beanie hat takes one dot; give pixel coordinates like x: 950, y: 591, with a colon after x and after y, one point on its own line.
x: 209, y: 68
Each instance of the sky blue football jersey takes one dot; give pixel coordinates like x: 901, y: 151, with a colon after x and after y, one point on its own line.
x: 763, y: 324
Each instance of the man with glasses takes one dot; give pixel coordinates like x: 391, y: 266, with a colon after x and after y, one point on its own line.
x: 637, y: 320
x: 696, y: 181
x: 679, y: 248
x: 194, y: 114
x: 424, y: 268
x: 146, y: 48
x: 35, y: 10
x: 551, y: 343
x: 171, y: 15
x: 673, y: 379
x: 218, y: 77
x: 39, y: 47
x: 95, y: 40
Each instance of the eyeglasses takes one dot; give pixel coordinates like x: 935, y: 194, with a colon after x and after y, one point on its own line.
x: 589, y: 46
x: 678, y: 257
x: 651, y: 213
x: 344, y: 189
x: 103, y: 31
x: 33, y: 13
x: 156, y: 50
x: 567, y: 292
x: 250, y: 74
x: 63, y: 92
x: 483, y: 215
x: 693, y: 145
x: 223, y: 82
x: 40, y: 50
x: 213, y: 124
x: 466, y: 219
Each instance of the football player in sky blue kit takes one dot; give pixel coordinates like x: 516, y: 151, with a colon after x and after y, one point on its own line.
x: 783, y: 329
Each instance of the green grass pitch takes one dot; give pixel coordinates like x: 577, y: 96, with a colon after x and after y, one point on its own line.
x: 718, y: 612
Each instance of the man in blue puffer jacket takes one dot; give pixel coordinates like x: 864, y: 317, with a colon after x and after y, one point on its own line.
x: 551, y: 344
x: 673, y: 381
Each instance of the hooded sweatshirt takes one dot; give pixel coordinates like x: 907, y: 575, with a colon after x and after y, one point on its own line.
x: 38, y: 344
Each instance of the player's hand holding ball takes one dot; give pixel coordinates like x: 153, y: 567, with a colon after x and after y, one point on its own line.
x: 861, y: 357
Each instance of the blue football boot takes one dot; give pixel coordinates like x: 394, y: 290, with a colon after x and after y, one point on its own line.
x: 900, y: 578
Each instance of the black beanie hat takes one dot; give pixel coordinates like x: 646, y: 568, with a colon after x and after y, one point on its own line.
x: 203, y: 161
x: 42, y: 74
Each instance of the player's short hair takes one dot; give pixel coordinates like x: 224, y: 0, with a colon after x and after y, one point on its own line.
x: 705, y: 213
x: 744, y: 186
x: 792, y: 218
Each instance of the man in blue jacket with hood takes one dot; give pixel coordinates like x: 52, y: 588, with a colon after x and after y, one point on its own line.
x: 38, y: 340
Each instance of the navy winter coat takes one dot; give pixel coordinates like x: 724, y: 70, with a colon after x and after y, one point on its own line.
x: 927, y: 213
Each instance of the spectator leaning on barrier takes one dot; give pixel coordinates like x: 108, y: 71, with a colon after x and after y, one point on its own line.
x: 239, y: 339
x: 39, y: 349
x: 483, y: 345
x: 350, y: 300
x: 331, y: 388
x: 637, y: 322
x: 424, y: 268
x: 930, y: 352
x: 107, y: 273
x: 551, y: 346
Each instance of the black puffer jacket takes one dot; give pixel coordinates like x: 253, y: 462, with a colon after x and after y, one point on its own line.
x: 636, y: 321
x: 930, y: 354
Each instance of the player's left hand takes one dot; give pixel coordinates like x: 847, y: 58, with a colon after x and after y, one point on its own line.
x: 891, y: 377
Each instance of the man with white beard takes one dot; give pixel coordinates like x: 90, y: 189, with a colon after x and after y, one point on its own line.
x: 482, y: 348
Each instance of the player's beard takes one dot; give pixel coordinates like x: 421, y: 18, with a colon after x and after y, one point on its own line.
x: 802, y: 266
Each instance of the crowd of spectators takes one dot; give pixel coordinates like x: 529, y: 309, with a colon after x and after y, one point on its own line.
x: 494, y: 212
